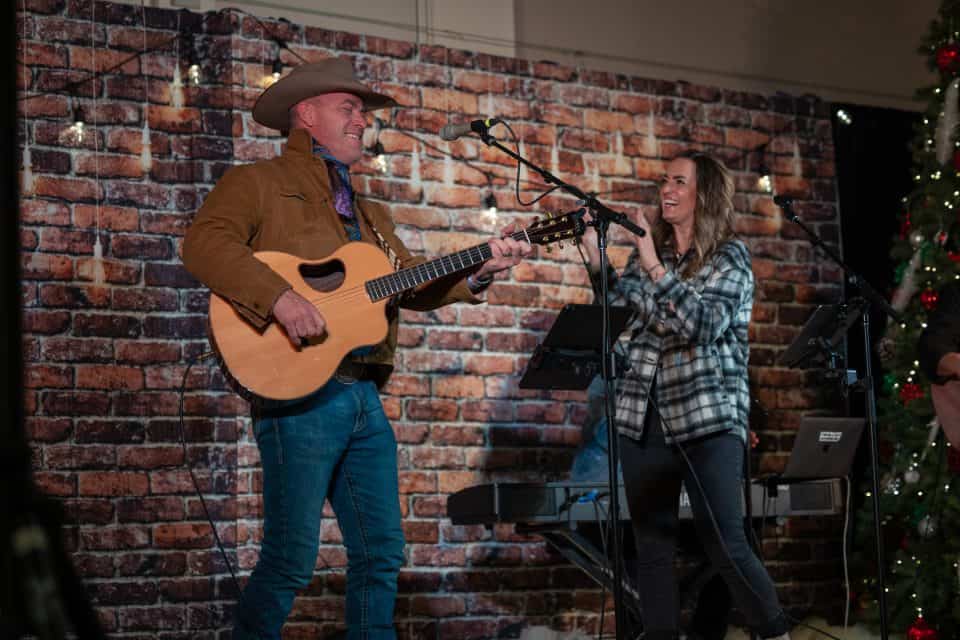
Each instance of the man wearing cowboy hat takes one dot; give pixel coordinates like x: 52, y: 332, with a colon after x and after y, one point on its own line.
x: 337, y: 443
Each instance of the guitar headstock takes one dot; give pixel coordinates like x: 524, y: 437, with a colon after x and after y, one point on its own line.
x: 555, y: 228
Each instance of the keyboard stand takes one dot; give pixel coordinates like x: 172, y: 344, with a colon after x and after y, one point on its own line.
x: 579, y: 550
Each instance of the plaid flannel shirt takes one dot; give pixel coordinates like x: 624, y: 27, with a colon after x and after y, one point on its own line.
x: 692, y: 335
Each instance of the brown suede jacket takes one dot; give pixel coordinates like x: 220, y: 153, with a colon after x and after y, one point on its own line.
x: 286, y: 204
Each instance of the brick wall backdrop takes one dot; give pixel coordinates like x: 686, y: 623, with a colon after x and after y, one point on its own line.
x: 107, y: 341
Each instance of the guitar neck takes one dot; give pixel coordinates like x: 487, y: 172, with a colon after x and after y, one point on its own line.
x: 406, y: 279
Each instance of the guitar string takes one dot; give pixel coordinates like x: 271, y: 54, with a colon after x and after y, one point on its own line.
x: 345, y: 295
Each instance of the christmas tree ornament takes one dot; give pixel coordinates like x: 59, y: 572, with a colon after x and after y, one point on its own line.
x: 941, y: 237
x: 929, y: 299
x: 920, y: 630
x: 893, y: 485
x: 947, y: 123
x: 948, y: 57
x: 909, y: 392
x: 927, y: 527
x: 908, y: 284
x: 911, y: 476
x: 906, y: 225
x: 954, y: 256
x: 886, y: 352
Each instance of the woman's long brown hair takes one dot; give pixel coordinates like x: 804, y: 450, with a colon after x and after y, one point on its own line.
x: 713, y: 213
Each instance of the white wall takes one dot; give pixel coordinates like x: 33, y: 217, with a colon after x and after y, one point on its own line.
x: 861, y: 51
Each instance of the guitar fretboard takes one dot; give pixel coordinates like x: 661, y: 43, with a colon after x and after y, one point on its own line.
x: 405, y: 279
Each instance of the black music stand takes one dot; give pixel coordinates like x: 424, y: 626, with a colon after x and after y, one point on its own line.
x: 819, y: 341
x: 570, y: 355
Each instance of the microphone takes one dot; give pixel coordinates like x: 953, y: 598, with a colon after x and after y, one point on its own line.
x: 453, y: 131
x: 782, y: 201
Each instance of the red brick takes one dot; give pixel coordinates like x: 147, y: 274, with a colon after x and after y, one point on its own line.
x: 429, y: 409
x: 449, y: 101
x: 455, y: 340
x: 174, y: 120
x: 75, y: 403
x: 107, y: 166
x: 131, y: 141
x: 182, y: 536
x: 70, y: 296
x: 83, y: 58
x: 79, y: 457
x: 42, y: 429
x: 488, y: 364
x: 111, y: 377
x: 55, y: 484
x: 40, y: 376
x: 458, y: 387
x: 112, y: 483
x: 70, y: 189
x: 584, y: 140
x: 115, y: 538
x: 44, y: 212
x: 112, y: 218
x: 425, y: 362
x: 42, y: 266
x: 148, y: 196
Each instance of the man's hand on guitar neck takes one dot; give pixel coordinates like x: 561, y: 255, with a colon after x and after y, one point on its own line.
x: 298, y: 317
x: 507, y: 252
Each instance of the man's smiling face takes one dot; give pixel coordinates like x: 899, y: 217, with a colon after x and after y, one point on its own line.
x: 336, y: 121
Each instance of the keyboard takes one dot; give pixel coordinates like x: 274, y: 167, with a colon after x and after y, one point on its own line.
x: 514, y: 502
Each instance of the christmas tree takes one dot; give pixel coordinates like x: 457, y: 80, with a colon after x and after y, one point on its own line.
x: 919, y: 502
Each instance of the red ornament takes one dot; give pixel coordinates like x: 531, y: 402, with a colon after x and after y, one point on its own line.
x: 954, y: 256
x: 905, y: 226
x: 947, y: 57
x: 920, y: 630
x: 910, y: 392
x: 929, y: 299
x: 956, y: 160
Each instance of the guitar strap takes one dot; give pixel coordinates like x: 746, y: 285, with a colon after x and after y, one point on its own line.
x: 384, y: 246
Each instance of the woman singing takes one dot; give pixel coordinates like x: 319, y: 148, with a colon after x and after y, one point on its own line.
x: 686, y: 392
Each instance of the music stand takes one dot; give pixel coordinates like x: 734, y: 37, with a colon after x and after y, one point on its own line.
x: 570, y: 355
x: 824, y: 331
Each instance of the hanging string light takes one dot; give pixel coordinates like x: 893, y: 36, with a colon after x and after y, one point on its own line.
x: 26, y: 186
x: 490, y: 210
x: 176, y: 84
x: 193, y: 64
x: 99, y: 274
x: 75, y: 133
x: 375, y: 147
x: 146, y: 148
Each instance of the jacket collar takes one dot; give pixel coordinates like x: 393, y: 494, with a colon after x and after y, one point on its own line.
x: 299, y: 142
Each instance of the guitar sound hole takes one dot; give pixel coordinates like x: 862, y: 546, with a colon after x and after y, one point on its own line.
x: 323, y: 277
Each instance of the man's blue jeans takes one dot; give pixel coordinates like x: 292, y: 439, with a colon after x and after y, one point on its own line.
x: 336, y: 444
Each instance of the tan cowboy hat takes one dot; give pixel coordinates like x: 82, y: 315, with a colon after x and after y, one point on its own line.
x: 332, y: 75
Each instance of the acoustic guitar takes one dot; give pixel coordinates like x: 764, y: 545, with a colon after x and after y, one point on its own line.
x: 351, y: 289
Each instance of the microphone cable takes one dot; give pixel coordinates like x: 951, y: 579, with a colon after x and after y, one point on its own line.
x: 193, y: 477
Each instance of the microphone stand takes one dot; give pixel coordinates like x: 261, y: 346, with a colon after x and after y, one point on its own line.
x: 603, y: 216
x: 865, y: 383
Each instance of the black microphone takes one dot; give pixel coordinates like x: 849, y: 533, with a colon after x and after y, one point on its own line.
x: 454, y: 131
x: 782, y: 201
